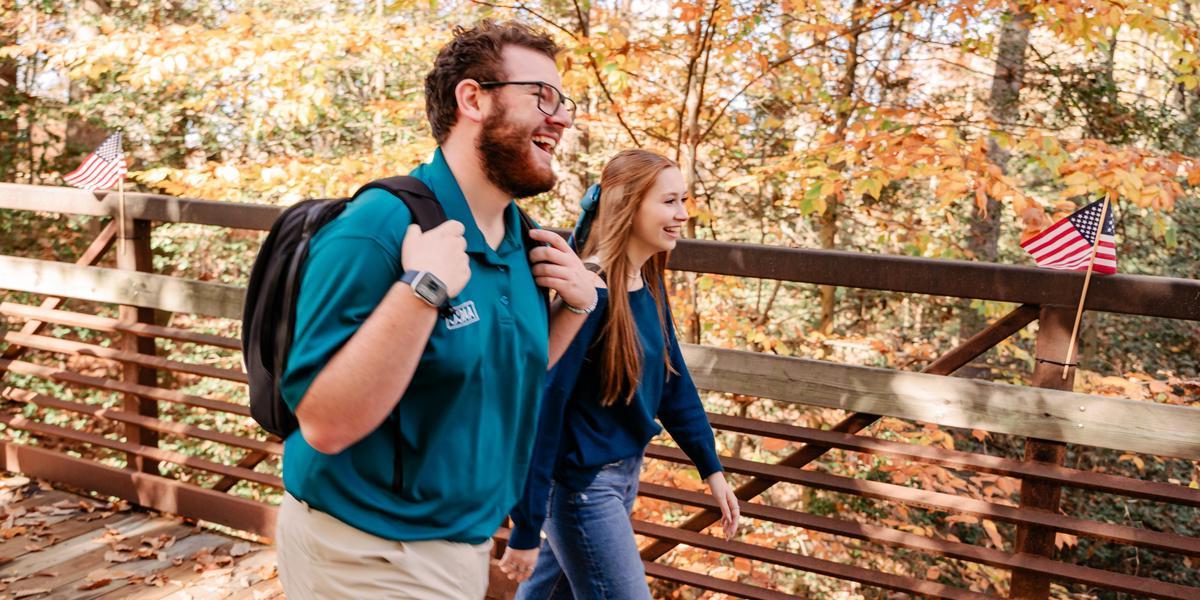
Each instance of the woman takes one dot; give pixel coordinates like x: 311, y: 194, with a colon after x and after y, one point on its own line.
x: 622, y: 370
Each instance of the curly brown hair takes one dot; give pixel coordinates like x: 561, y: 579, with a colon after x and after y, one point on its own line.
x: 474, y: 54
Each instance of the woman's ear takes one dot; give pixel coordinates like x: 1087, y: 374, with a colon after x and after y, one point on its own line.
x: 471, y: 100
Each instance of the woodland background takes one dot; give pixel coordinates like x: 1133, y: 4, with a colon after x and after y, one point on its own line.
x: 941, y: 129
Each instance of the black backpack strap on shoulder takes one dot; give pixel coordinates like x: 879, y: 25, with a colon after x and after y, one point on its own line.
x: 426, y: 211
x: 527, y: 225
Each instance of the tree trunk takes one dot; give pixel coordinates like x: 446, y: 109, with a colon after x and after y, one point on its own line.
x: 82, y: 136
x: 12, y: 103
x: 1007, y: 81
x: 377, y: 87
x: 688, y: 140
x: 577, y: 141
x: 845, y: 108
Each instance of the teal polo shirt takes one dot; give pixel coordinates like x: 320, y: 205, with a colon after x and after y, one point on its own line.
x: 468, y: 418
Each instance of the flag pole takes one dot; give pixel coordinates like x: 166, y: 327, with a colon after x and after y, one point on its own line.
x: 1087, y: 279
x: 121, y: 214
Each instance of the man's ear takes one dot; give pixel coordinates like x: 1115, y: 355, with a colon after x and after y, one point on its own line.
x: 472, y: 102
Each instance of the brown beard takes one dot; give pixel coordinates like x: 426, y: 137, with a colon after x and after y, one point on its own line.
x: 503, y: 149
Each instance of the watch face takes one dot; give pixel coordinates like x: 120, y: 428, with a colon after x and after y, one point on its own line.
x: 430, y: 289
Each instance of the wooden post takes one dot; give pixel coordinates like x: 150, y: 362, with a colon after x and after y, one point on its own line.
x: 135, y: 256
x: 1054, y: 336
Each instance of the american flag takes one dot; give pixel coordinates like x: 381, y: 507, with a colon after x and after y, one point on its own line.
x: 1067, y: 244
x: 102, y: 168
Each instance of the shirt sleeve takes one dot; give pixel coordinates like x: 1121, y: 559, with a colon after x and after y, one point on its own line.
x: 530, y: 512
x: 682, y: 412
x: 345, y: 278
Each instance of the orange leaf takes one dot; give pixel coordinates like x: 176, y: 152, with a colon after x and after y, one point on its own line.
x: 1065, y: 539
x: 990, y: 527
x: 774, y: 445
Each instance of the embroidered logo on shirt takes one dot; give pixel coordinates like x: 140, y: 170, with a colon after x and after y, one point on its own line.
x: 464, y: 314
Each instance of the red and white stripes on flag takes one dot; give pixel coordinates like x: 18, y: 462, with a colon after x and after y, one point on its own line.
x: 1067, y: 244
x: 101, y: 169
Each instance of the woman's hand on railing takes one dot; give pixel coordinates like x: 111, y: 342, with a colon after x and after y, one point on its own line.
x: 727, y: 500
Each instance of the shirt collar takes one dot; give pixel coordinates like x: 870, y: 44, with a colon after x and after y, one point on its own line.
x: 437, y: 175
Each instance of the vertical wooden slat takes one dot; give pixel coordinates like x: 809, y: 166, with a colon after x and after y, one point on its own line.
x: 1054, y: 333
x: 134, y: 254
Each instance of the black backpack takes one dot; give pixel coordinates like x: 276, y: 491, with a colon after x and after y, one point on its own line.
x: 269, y: 314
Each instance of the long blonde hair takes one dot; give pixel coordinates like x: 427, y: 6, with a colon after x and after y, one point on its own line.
x: 626, y: 180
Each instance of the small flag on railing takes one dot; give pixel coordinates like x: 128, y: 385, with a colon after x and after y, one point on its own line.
x: 101, y: 169
x: 1067, y: 244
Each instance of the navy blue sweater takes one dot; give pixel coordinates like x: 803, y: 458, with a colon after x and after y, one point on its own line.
x: 577, y: 435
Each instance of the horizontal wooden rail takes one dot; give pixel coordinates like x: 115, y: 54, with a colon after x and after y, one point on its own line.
x: 238, y: 441
x: 982, y: 463
x: 1172, y: 298
x: 61, y: 346
x: 121, y: 287
x: 112, y: 385
x: 1116, y: 423
x: 957, y: 550
x: 194, y: 462
x: 143, y: 489
x: 1128, y: 294
x: 948, y: 363
x: 106, y: 324
x: 690, y: 578
x: 805, y: 563
x: 150, y: 207
x: 712, y: 584
x: 1122, y: 424
x: 939, y: 501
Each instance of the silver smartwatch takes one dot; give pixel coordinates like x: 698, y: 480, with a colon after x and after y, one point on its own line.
x: 428, y: 288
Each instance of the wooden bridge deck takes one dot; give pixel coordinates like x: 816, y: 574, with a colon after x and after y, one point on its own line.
x: 56, y: 544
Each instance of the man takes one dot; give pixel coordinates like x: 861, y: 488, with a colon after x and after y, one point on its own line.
x: 416, y: 428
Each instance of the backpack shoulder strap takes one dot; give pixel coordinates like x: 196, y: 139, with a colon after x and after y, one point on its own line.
x: 426, y: 211
x: 528, y: 224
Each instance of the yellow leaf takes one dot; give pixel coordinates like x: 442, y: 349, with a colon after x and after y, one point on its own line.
x: 990, y: 527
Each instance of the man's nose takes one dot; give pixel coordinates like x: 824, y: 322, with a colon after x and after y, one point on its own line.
x: 561, y: 117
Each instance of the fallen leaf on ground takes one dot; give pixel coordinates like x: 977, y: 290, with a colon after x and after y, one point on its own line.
x: 156, y: 580
x: 12, y: 532
x: 94, y: 584
x: 118, y: 557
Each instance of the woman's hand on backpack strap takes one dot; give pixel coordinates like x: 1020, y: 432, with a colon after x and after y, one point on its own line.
x: 518, y: 564
x: 557, y: 267
x: 441, y: 251
x: 727, y: 500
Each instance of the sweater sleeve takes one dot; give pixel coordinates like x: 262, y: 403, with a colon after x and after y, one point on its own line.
x: 530, y: 512
x: 682, y: 412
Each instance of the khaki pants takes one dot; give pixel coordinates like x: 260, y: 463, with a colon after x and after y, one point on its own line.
x: 323, y: 558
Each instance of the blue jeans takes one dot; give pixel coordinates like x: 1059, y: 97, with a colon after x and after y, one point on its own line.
x: 589, y: 550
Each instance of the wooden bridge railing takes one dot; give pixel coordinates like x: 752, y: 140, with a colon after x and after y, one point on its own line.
x: 124, y: 419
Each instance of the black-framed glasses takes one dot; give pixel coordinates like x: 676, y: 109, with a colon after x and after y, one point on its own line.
x: 549, y: 97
